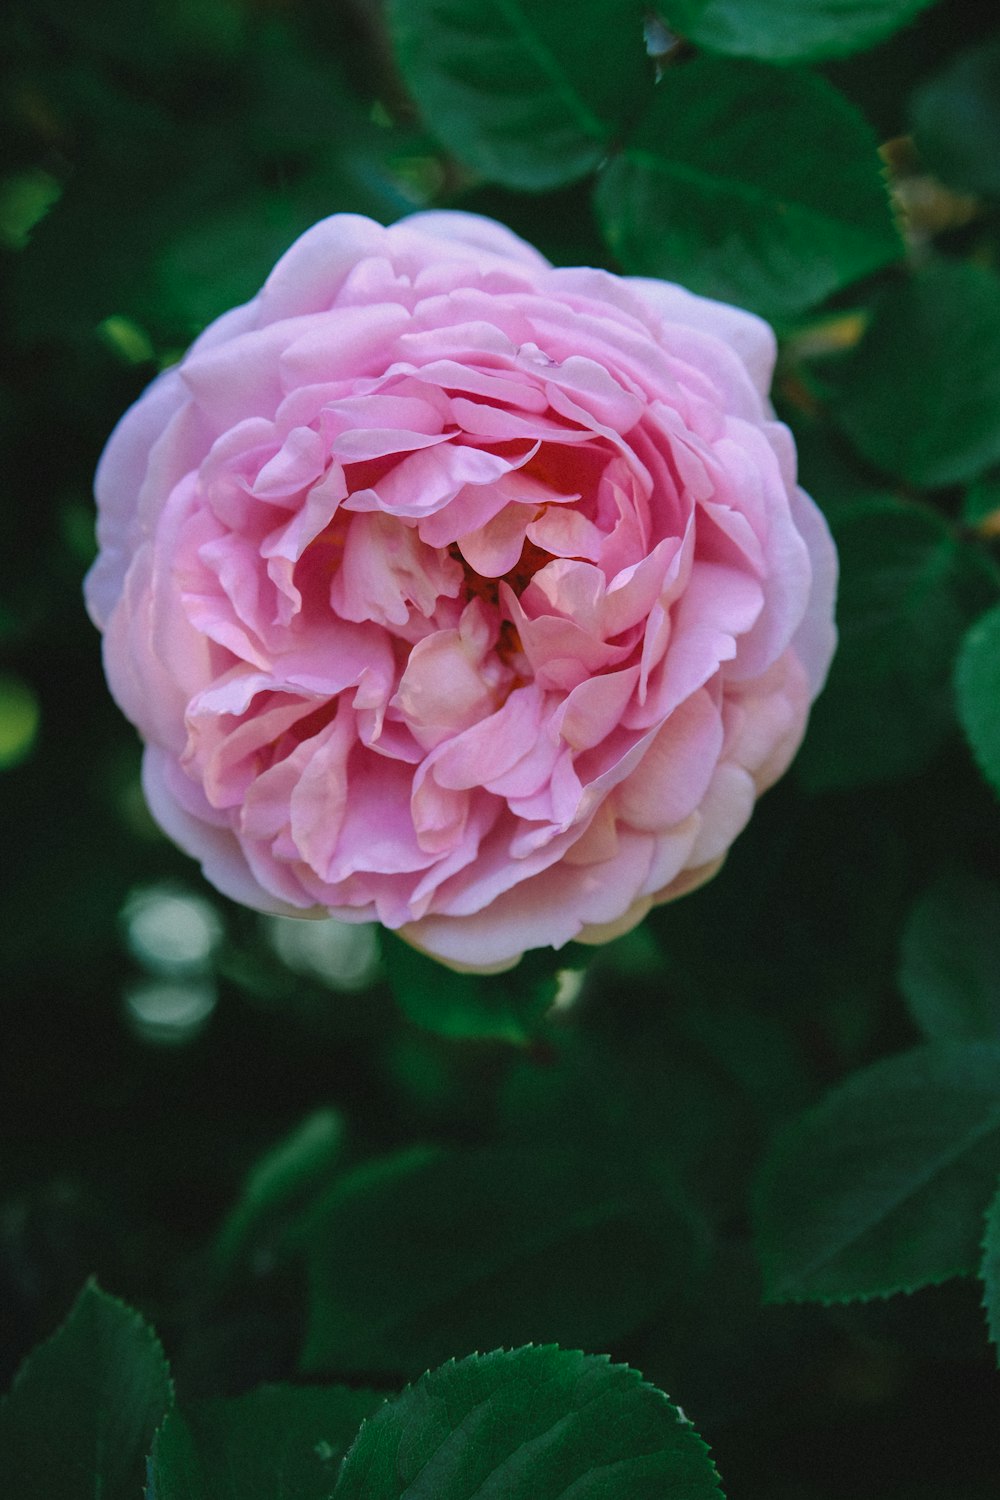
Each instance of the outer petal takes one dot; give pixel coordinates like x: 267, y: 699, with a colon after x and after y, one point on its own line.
x: 472, y: 236
x: 309, y: 275
x: 747, y: 335
x: 549, y: 910
x: 216, y: 848
x: 121, y: 474
x: 816, y: 638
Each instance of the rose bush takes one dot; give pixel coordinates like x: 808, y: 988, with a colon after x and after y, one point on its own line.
x: 460, y: 592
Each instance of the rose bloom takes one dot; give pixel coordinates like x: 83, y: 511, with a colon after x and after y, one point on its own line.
x: 459, y: 592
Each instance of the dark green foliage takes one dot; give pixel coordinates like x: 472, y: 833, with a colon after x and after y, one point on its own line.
x: 276, y: 1443
x: 81, y: 1415
x: 528, y: 95
x: 881, y: 1188
x: 921, y: 396
x: 982, y: 501
x: 789, y: 30
x: 193, y: 162
x: 990, y: 1270
x: 429, y: 1251
x: 508, y: 1007
x: 278, y: 1184
x: 693, y: 196
x: 950, y: 970
x: 889, y: 704
x: 531, y: 1424
x: 977, y: 684
x: 537, y: 1421
x: 956, y: 121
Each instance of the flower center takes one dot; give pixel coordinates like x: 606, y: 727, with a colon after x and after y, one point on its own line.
x: 530, y: 562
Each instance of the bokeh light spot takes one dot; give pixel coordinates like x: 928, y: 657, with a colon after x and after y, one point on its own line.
x: 569, y: 983
x: 20, y: 716
x: 169, y: 1012
x: 128, y: 340
x: 170, y: 932
x: 25, y: 199
x: 342, y: 955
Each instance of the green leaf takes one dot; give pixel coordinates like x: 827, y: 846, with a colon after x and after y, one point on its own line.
x: 977, y: 684
x: 221, y: 260
x: 276, y: 1442
x: 422, y: 1253
x: 503, y: 1008
x: 209, y: 262
x: 279, y: 1182
x: 956, y: 121
x: 887, y: 707
x: 921, y: 393
x: 882, y: 1186
x: 787, y: 30
x: 950, y: 971
x: 698, y: 195
x: 529, y: 95
x: 81, y: 1415
x: 632, y: 1087
x: 529, y: 1424
x: 990, y: 1271
x: 752, y: 1050
x: 828, y: 468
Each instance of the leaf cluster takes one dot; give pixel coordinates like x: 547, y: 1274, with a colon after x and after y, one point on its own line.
x: 92, y: 1402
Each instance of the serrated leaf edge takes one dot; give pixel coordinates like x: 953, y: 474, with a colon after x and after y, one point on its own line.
x: 991, y: 1224
x: 775, y: 1295
x: 639, y: 1383
x: 135, y: 1318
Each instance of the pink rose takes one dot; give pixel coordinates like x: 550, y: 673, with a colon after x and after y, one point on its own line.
x: 459, y: 592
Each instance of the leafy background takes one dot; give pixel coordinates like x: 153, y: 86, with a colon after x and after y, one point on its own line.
x: 751, y: 1150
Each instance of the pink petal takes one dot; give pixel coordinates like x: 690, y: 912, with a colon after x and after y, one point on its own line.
x: 552, y: 809
x: 815, y: 639
x: 475, y: 505
x: 442, y: 689
x: 348, y: 343
x: 547, y: 910
x: 298, y: 463
x: 377, y: 836
x: 473, y: 236
x: 439, y: 814
x: 562, y: 653
x: 121, y: 473
x: 591, y: 710
x: 319, y: 798
x: 669, y: 782
x: 494, y: 549
x: 566, y: 533
x: 309, y: 275
x: 386, y: 569
x: 597, y: 393
x: 748, y: 336
x: 725, y: 812
x: 217, y: 849
x: 426, y: 480
x: 491, y: 747
x: 226, y: 756
x: 241, y: 378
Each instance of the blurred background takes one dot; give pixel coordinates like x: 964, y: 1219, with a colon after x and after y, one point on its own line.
x: 155, y: 1040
